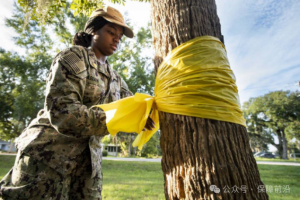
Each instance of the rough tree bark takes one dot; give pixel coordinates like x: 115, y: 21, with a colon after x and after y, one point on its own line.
x: 198, y: 153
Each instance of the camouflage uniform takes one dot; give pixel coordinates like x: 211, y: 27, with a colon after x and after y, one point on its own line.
x: 59, y: 152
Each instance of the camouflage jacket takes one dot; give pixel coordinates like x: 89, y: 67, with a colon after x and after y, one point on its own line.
x: 67, y: 126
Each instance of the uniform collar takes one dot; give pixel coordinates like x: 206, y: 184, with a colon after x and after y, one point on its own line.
x: 107, y: 71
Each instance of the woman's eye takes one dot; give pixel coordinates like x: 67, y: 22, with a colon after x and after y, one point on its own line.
x: 110, y: 32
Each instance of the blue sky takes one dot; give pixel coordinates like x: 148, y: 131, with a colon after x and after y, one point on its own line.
x: 262, y: 41
x: 262, y: 38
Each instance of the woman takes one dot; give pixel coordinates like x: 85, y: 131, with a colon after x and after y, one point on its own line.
x: 59, y: 153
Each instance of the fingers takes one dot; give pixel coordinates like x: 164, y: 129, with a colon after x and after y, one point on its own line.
x: 150, y: 124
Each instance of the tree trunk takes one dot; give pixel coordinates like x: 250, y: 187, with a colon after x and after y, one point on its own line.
x: 11, y: 145
x: 116, y: 145
x: 284, y: 146
x: 130, y: 144
x: 280, y: 145
x: 199, y: 153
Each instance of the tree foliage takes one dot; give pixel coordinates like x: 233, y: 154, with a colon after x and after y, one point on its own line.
x: 152, y: 147
x: 43, y: 11
x: 23, y: 77
x: 21, y: 93
x: 274, y: 114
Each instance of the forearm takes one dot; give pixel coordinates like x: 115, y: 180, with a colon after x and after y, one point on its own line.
x: 77, y: 120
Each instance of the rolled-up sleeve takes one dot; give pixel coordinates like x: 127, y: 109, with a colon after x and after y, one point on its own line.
x: 64, y: 98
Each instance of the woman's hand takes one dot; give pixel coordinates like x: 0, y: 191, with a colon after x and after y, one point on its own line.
x: 149, y: 124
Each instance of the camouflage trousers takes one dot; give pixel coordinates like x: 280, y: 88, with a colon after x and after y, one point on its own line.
x: 31, y: 179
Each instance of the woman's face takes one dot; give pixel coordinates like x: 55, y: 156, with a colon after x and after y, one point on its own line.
x: 107, y: 39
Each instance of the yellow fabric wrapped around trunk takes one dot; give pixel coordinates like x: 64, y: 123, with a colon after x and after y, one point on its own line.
x: 195, y: 79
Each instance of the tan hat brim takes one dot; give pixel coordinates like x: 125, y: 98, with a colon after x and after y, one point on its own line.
x: 127, y: 31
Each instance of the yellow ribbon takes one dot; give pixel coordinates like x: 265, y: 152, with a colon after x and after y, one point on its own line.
x: 195, y: 79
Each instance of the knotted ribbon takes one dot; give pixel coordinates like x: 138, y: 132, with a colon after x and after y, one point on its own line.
x: 195, y: 79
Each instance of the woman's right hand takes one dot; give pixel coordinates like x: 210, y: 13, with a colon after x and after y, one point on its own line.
x: 149, y: 124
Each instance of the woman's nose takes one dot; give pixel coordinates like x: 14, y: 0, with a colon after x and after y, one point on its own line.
x: 117, y: 40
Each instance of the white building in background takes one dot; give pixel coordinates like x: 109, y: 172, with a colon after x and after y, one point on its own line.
x: 6, y: 146
x: 112, y: 149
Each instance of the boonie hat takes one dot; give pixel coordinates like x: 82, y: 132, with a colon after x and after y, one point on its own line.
x: 114, y: 16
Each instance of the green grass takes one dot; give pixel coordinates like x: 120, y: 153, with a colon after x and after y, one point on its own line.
x: 132, y: 180
x: 144, y: 180
x: 6, y: 162
x: 276, y: 175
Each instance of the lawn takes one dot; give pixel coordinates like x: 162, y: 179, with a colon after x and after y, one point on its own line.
x: 144, y: 180
x: 276, y: 176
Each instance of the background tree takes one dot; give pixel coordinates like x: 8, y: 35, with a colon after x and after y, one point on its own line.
x: 152, y: 148
x: 274, y: 114
x: 21, y: 87
x: 260, y: 142
x: 23, y: 77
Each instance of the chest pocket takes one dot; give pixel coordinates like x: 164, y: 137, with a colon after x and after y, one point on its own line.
x: 94, y: 89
